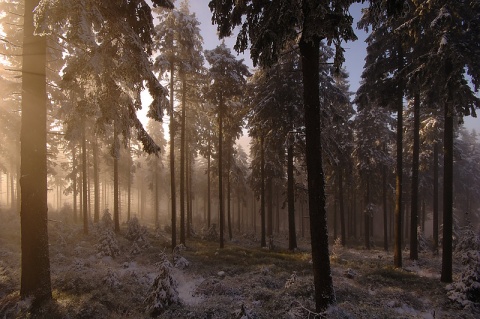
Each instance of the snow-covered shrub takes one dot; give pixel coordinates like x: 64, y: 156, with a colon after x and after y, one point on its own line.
x: 423, y: 244
x: 211, y: 233
x: 291, y: 281
x: 179, y: 261
x: 107, y: 245
x: 111, y: 279
x: 137, y: 233
x: 466, y: 290
x: 244, y: 313
x: 163, y: 292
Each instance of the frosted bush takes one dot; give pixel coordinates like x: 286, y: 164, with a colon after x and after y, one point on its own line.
x: 423, y: 244
x: 291, y: 281
x: 179, y: 261
x: 111, y: 279
x: 466, y: 290
x: 108, y: 244
x: 137, y: 233
x: 163, y: 292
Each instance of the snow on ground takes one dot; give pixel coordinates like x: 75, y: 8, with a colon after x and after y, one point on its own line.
x: 240, y: 281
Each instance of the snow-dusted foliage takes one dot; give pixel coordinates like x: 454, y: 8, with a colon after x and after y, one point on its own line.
x: 137, y: 233
x: 107, y: 244
x: 111, y: 279
x: 466, y: 289
x: 179, y: 261
x: 163, y: 292
x: 291, y: 281
x: 423, y: 244
x: 211, y: 233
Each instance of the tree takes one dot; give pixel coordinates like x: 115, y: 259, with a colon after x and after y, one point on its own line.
x: 35, y: 274
x: 317, y: 21
x: 226, y: 85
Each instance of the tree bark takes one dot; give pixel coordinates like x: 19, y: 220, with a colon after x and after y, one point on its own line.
x: 415, y: 163
x: 74, y: 183
x: 324, y: 292
x: 397, y: 249
x: 96, y: 181
x: 116, y: 212
x: 172, y: 161
x: 367, y: 213
x: 292, y: 236
x: 435, y: 197
x: 182, y: 166
x: 229, y: 191
x: 84, y: 179
x: 35, y: 263
x: 447, y: 241
x: 263, y: 241
x: 385, y: 208
x: 220, y: 171
x: 209, y: 202
x: 342, y: 208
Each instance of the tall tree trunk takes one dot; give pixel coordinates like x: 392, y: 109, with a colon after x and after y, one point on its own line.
x: 172, y: 161
x: 292, y: 236
x: 367, y: 213
x: 435, y: 197
x: 385, y: 208
x: 277, y: 212
x: 397, y: 249
x: 322, y: 277
x: 263, y: 240
x: 96, y: 181
x: 129, y: 179
x: 220, y: 172
x: 447, y: 241
x: 188, y: 189
x: 415, y: 164
x: 229, y: 191
x: 342, y: 208
x: 182, y: 166
x: 157, y: 202
x: 35, y: 264
x: 84, y: 179
x: 209, y: 202
x: 74, y: 182
x: 269, y: 206
x: 116, y: 209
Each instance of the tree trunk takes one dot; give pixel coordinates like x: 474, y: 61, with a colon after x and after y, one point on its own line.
x: 385, y: 208
x: 367, y: 213
x: 269, y: 207
x: 209, y: 202
x: 324, y: 292
x: 84, y: 179
x: 220, y: 171
x: 156, y: 193
x: 435, y: 197
x: 74, y: 183
x: 415, y: 164
x: 182, y: 166
x: 35, y: 263
x: 96, y: 181
x: 397, y: 249
x: 447, y: 240
x: 129, y: 180
x: 116, y: 212
x: 229, y: 191
x: 263, y: 242
x: 172, y: 161
x: 342, y: 208
x: 292, y: 236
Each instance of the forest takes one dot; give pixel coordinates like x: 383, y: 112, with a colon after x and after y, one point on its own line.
x: 142, y: 175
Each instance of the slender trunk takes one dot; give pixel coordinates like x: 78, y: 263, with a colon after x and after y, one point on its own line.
x: 13, y: 201
x: 74, y: 183
x: 447, y: 240
x: 209, y: 202
x: 84, y: 180
x: 367, y: 213
x: 116, y: 212
x: 220, y: 171
x: 277, y: 212
x: 172, y: 161
x: 129, y: 180
x: 188, y: 191
x: 96, y: 181
x: 415, y: 164
x: 342, y: 208
x: 229, y: 192
x: 322, y: 277
x: 385, y: 208
x: 35, y: 263
x: 263, y: 242
x: 157, y: 182
x: 292, y: 237
x: 397, y: 249
x: 435, y: 197
x: 182, y: 166
x: 269, y: 206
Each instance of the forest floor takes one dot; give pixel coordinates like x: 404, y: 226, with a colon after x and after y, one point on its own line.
x: 240, y: 281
